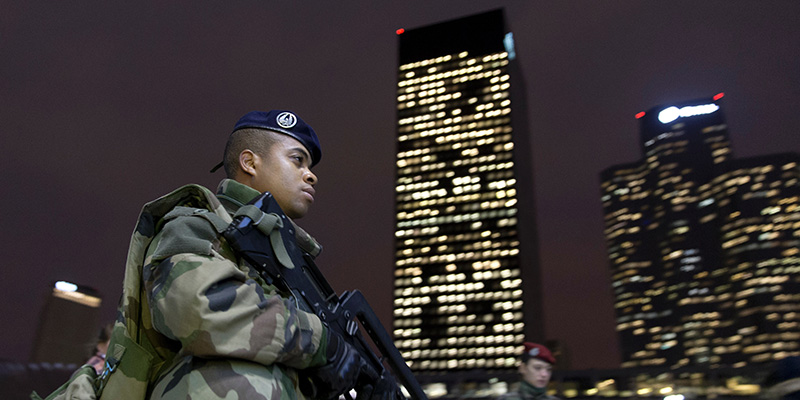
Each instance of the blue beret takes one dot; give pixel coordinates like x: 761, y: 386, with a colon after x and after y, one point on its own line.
x: 285, y: 122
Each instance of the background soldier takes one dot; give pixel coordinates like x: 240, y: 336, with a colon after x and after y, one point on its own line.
x: 536, y: 368
x: 98, y: 356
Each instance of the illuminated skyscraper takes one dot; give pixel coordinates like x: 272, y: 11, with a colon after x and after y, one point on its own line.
x: 465, y: 235
x: 703, y: 247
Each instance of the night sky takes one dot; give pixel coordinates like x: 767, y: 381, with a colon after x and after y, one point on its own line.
x: 107, y: 105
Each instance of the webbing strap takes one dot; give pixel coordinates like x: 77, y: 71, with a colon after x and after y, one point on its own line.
x: 113, y: 356
x: 264, y: 222
x: 267, y: 223
x: 219, y: 223
x: 215, y: 220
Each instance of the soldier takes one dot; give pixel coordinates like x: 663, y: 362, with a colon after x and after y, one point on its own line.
x: 536, y: 368
x: 230, y: 330
x: 97, y: 359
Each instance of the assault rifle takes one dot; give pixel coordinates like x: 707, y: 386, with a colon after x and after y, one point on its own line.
x: 263, y: 235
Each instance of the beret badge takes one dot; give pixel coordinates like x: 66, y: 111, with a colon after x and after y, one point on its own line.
x: 286, y: 120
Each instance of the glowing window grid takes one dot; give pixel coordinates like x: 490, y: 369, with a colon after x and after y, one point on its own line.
x: 683, y: 308
x: 458, y: 291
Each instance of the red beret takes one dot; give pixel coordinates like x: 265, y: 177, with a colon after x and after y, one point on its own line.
x: 535, y: 350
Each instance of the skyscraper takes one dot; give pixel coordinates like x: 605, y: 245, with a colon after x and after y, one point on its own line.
x: 703, y: 247
x: 465, y: 234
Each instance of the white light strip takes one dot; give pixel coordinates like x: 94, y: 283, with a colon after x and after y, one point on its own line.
x: 670, y: 114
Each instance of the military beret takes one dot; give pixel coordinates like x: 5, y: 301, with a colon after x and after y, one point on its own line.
x: 536, y: 350
x: 285, y: 122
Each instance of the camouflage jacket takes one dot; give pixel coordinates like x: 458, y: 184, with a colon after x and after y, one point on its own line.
x: 527, y: 391
x: 225, y: 329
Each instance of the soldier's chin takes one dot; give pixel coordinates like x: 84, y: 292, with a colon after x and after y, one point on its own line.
x: 298, y: 212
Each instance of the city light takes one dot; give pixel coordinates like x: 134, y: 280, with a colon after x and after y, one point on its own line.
x: 69, y: 291
x: 508, y: 42
x: 672, y: 113
x: 66, y: 286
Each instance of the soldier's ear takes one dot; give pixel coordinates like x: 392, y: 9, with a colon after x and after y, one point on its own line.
x: 248, y: 162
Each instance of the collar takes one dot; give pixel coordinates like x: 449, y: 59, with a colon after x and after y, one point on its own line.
x: 233, y: 195
x: 527, y: 388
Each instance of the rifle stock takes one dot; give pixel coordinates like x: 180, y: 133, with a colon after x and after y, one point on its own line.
x: 263, y: 235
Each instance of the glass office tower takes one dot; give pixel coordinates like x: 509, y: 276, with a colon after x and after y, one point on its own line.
x: 465, y: 239
x: 703, y: 247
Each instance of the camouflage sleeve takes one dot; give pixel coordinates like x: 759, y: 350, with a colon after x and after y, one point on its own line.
x: 200, y: 297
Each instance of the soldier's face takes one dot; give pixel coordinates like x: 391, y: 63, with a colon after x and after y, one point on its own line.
x: 536, y: 372
x: 286, y: 173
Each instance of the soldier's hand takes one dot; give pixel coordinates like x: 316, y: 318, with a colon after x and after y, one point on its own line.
x: 342, y: 370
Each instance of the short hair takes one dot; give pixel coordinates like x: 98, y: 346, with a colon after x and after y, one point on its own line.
x: 258, y: 140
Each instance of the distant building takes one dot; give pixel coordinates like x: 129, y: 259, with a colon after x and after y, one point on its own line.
x: 704, y: 248
x: 68, y: 326
x: 467, y: 281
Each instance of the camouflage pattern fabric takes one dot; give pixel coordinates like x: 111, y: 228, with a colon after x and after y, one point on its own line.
x: 527, y: 391
x: 80, y: 386
x: 214, y: 328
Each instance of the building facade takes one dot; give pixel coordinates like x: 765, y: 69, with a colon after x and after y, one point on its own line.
x: 68, y: 325
x: 703, y: 247
x: 465, y: 235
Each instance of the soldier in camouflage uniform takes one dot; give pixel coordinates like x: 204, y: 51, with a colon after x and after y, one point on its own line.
x: 221, y: 329
x: 536, y: 368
